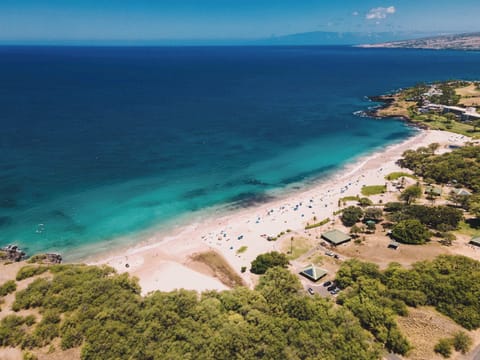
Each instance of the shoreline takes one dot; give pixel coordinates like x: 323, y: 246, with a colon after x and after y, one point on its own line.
x: 163, y: 261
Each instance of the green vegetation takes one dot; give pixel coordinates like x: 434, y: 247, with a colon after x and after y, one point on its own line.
x: 298, y: 247
x: 373, y: 190
x: 103, y: 313
x: 8, y: 287
x: 411, y: 193
x: 219, y: 267
x: 467, y: 229
x: 372, y: 303
x: 12, y: 330
x: 440, y: 122
x: 399, y: 174
x: 29, y: 271
x: 462, y: 342
x: 37, y: 259
x: 263, y: 262
x: 460, y: 166
x: 242, y: 249
x: 441, y: 218
x: 29, y: 356
x: 349, y: 198
x: 373, y: 214
x: 351, y: 215
x: 321, y: 223
x: 411, y: 232
x: 449, y: 96
x: 449, y: 283
x: 364, y: 202
x: 443, y: 347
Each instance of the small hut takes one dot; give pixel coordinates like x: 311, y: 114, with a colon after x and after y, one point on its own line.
x: 313, y: 273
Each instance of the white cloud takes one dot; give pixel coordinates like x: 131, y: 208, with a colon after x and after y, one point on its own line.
x: 380, y: 12
x: 355, y: 13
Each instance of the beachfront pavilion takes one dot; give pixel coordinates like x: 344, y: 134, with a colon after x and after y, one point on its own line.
x: 313, y: 273
x: 336, y: 237
x: 475, y: 241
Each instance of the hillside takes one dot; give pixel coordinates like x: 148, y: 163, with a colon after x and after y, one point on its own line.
x: 469, y: 41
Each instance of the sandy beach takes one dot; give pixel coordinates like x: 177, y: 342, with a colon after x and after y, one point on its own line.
x: 163, y: 261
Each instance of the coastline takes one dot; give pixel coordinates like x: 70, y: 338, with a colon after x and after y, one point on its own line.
x: 163, y: 261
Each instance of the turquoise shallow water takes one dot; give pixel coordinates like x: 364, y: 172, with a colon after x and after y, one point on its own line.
x: 102, y: 143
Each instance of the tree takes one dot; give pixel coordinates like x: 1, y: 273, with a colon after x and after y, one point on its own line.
x: 475, y: 208
x: 355, y: 230
x: 411, y: 232
x: 476, y: 124
x: 265, y: 261
x: 351, y: 215
x: 363, y: 202
x: 373, y: 214
x: 433, y: 147
x: 411, y: 193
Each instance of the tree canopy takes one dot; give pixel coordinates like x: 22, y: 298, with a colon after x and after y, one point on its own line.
x: 351, y: 215
x: 263, y: 262
x: 102, y: 312
x: 460, y: 166
x: 411, y: 193
x: 410, y: 232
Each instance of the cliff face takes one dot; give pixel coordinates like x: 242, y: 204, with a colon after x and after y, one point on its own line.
x: 452, y: 42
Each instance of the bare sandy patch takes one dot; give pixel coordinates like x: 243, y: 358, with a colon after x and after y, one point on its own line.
x: 424, y: 327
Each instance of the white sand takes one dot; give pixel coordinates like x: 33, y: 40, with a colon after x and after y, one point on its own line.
x: 162, y: 264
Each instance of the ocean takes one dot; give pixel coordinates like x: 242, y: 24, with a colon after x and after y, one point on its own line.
x: 103, y: 143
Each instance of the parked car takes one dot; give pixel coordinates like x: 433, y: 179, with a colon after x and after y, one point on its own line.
x: 310, y: 291
x: 332, y: 287
x: 329, y: 253
x: 327, y: 283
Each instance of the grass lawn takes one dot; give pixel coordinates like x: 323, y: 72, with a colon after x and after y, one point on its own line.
x: 300, y: 246
x: 349, y: 198
x: 437, y: 122
x: 242, y: 249
x: 470, y: 227
x: 373, y: 190
x: 316, y: 260
x: 321, y: 223
x: 398, y: 174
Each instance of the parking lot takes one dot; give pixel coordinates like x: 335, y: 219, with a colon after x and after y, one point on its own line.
x: 318, y: 288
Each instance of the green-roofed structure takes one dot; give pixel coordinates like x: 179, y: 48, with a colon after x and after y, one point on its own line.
x: 336, y: 237
x: 432, y: 190
x: 475, y: 241
x: 313, y: 273
x: 461, y: 192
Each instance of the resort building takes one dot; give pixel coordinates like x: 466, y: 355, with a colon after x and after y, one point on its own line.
x: 336, y: 237
x: 313, y: 273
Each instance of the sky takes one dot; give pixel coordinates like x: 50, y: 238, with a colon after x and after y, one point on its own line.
x: 100, y: 20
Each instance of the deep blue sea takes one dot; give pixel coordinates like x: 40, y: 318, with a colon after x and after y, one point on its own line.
x: 101, y: 143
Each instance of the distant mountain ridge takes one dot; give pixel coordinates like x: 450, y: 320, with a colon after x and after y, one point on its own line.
x: 468, y: 41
